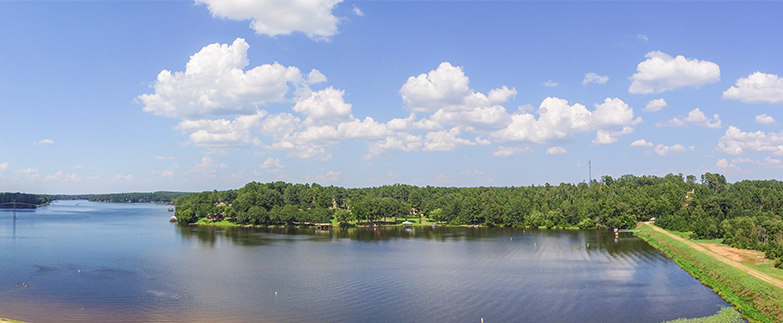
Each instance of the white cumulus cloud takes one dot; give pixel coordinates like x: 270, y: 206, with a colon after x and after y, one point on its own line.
x: 594, y: 78
x: 757, y: 88
x: 223, y: 132
x: 767, y: 162
x: 358, y: 11
x: 556, y: 150
x: 399, y: 142
x: 641, y: 143
x: 737, y: 142
x: 613, y: 112
x: 559, y: 120
x: 445, y: 140
x: 330, y: 176
x: 660, y: 72
x: 274, y: 17
x: 550, y: 83
x: 444, y: 86
x: 324, y: 107
x: 508, y: 151
x: 491, y: 117
x: 605, y: 137
x: 664, y: 150
x: 272, y: 164
x: 765, y: 119
x: 655, y: 105
x: 723, y: 163
x: 695, y: 117
x: 215, y: 83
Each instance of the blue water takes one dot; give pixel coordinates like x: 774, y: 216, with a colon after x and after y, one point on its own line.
x: 98, y: 262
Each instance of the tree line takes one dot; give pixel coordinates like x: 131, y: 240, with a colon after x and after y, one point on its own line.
x: 23, y: 200
x: 745, y: 214
x: 135, y: 197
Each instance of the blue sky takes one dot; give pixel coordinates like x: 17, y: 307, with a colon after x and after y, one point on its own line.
x: 175, y: 95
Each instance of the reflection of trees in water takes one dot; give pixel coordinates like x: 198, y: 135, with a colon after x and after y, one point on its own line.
x: 397, y: 233
x: 624, y: 245
x: 209, y: 235
x: 203, y: 234
x: 597, y: 240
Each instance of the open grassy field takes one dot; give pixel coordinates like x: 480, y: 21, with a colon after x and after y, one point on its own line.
x: 756, y: 299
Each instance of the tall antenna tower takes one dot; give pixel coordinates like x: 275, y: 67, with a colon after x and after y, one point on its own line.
x: 589, y: 173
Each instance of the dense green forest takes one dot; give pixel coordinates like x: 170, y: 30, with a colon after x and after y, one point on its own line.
x: 746, y: 214
x: 22, y: 200
x: 149, y: 197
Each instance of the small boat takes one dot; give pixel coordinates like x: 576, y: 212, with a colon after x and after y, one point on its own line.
x: 173, y: 219
x: 171, y: 209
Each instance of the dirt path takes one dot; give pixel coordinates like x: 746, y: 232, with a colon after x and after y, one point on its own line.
x: 735, y: 264
x: 742, y: 256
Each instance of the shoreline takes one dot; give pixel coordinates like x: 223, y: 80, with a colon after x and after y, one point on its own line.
x: 427, y: 224
x: 756, y: 298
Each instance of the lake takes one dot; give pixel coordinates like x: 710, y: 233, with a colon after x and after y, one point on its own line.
x: 97, y: 262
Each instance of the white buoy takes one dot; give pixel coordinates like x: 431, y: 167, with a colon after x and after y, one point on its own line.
x: 275, y: 293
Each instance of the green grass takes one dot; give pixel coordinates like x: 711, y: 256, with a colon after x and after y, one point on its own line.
x: 689, y: 236
x: 2, y: 320
x: 758, y: 301
x: 725, y: 315
x: 713, y: 241
x: 769, y: 269
x: 223, y: 223
x: 681, y: 234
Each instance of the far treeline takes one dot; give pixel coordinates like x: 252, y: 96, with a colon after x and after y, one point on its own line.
x: 148, y: 197
x: 746, y: 214
x: 22, y: 200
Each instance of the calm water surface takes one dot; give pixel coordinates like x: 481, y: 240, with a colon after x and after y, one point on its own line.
x: 84, y: 261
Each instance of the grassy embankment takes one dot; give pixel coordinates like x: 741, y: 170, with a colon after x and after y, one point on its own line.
x: 725, y: 315
x: 757, y: 300
x: 2, y: 320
